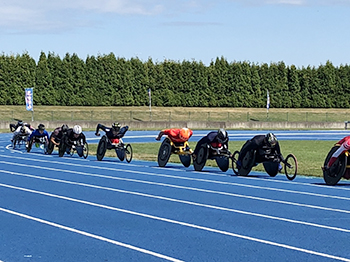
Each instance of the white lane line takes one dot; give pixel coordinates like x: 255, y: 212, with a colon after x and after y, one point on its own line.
x: 213, y: 230
x: 180, y: 201
x: 192, y: 179
x: 189, y: 188
x: 89, y: 235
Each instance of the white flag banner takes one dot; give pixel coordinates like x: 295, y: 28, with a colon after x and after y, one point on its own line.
x: 268, y: 101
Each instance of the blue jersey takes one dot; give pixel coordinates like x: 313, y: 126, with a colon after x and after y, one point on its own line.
x: 36, y: 133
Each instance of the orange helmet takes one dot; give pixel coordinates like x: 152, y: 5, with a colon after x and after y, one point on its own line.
x: 184, y: 133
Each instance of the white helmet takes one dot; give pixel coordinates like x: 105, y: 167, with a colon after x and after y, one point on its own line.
x: 77, y: 129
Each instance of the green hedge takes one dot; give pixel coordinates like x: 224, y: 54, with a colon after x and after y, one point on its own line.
x: 106, y: 80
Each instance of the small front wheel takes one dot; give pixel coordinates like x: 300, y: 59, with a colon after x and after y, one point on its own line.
x: 85, y: 150
x: 291, y: 167
x: 128, y: 153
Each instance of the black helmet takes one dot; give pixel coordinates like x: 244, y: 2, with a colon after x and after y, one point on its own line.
x: 271, y: 139
x: 64, y: 128
x: 222, y: 135
x: 41, y: 127
x: 116, y: 126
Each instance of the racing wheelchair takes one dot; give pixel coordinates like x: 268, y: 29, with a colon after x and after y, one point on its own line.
x: 123, y: 151
x: 169, y: 147
x: 339, y: 169
x: 82, y: 149
x: 40, y: 142
x: 208, y: 151
x: 19, y: 141
x: 271, y: 163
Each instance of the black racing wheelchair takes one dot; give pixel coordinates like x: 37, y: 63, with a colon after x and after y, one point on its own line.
x: 339, y: 169
x: 19, y: 141
x: 207, y: 151
x: 123, y: 151
x: 169, y: 147
x: 79, y: 147
x: 39, y: 142
x: 271, y: 163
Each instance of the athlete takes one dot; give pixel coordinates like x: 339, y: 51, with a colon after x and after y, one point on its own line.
x: 344, y: 146
x: 114, y: 133
x: 74, y: 137
x: 265, y: 145
x: 176, y: 135
x: 39, y: 136
x: 216, y: 139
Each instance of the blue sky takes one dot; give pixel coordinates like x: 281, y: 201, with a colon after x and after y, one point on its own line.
x: 297, y: 32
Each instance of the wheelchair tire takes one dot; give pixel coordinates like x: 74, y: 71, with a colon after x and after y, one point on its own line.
x: 120, y: 151
x: 85, y: 150
x: 271, y: 168
x: 50, y: 148
x: 248, y: 162
x: 14, y: 141
x: 201, y: 158
x: 185, y: 160
x: 101, y: 148
x: 291, y: 167
x: 128, y: 153
x: 223, y: 163
x: 333, y: 175
x: 164, y: 153
x: 61, y: 149
x: 234, y: 158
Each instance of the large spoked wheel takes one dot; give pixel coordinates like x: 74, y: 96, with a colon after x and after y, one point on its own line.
x: 201, y: 158
x: 271, y: 168
x: 61, y: 149
x: 50, y: 148
x: 332, y: 175
x: 247, y: 163
x: 185, y: 160
x: 223, y: 163
x: 164, y: 153
x: 234, y: 158
x: 85, y: 150
x: 128, y: 153
x: 291, y: 167
x: 101, y: 148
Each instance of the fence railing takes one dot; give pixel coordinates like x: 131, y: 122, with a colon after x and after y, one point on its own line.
x: 173, y: 115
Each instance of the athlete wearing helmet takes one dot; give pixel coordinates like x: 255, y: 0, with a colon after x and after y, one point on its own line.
x: 114, y: 133
x: 57, y: 134
x: 216, y: 139
x: 265, y: 145
x: 21, y: 131
x: 74, y: 136
x: 177, y: 135
x: 39, y: 135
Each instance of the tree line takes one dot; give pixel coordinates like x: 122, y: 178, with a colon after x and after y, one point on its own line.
x: 107, y: 80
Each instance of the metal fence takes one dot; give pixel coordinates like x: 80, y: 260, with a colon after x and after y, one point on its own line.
x: 173, y: 115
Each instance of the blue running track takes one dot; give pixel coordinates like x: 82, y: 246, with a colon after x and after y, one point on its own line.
x: 74, y: 209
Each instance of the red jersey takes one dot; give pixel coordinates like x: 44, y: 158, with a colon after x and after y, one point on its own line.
x: 174, y: 135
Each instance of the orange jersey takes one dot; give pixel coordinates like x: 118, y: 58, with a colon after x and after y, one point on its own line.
x: 174, y: 135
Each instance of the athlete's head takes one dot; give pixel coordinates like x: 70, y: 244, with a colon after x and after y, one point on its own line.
x: 77, y: 130
x: 222, y: 135
x: 116, y: 127
x: 184, y: 133
x: 271, y: 139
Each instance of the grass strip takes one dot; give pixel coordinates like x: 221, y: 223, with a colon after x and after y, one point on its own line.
x: 309, y: 153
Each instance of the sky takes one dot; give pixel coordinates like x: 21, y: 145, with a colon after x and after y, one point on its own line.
x: 297, y: 32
